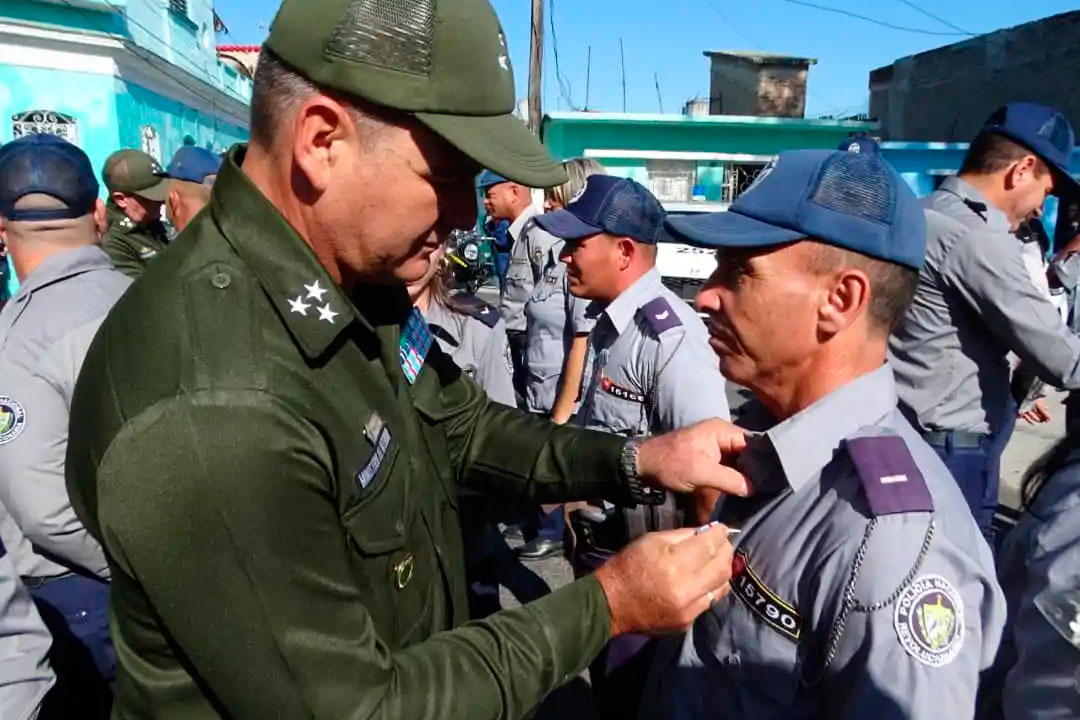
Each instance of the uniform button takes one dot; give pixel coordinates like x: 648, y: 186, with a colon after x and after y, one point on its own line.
x: 400, y: 527
x: 220, y: 281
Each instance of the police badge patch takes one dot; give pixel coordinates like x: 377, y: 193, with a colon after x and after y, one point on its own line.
x: 929, y: 620
x: 12, y: 419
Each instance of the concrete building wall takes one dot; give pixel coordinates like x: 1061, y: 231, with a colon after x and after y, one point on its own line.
x: 760, y: 85
x: 946, y: 94
x: 733, y: 87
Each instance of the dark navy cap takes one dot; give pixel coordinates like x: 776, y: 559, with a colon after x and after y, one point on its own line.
x: 861, y: 143
x: 1044, y: 131
x: 49, y: 165
x: 854, y: 201
x: 488, y: 178
x: 193, y: 164
x: 607, y: 204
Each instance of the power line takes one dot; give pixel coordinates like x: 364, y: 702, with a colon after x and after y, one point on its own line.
x: 875, y: 21
x: 565, y: 88
x: 932, y: 16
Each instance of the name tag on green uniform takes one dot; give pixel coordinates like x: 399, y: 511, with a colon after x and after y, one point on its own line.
x: 378, y: 432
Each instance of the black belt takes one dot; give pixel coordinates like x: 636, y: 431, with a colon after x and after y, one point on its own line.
x: 958, y: 438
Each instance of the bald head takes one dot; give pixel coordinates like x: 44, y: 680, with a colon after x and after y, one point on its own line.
x: 31, y: 242
x: 185, y: 201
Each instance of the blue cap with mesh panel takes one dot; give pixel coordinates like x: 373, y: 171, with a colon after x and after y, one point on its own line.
x: 48, y: 165
x: 1044, y: 131
x: 854, y: 201
x: 489, y: 178
x: 607, y: 204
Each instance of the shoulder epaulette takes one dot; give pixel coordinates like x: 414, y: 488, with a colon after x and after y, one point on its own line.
x: 659, y: 315
x: 476, y: 308
x: 890, y: 478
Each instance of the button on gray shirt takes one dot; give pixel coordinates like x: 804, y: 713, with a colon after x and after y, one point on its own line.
x: 761, y: 651
x: 481, y: 351
x: 639, y: 382
x: 531, y: 244
x: 974, y: 303
x: 45, y: 331
x: 553, y: 316
x: 1034, y: 675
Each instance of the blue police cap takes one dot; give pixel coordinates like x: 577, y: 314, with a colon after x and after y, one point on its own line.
x: 607, y: 204
x: 49, y: 165
x: 854, y: 201
x: 488, y: 178
x: 193, y: 164
x: 861, y: 143
x: 1044, y: 131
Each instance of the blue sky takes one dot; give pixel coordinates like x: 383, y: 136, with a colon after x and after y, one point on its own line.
x: 664, y: 41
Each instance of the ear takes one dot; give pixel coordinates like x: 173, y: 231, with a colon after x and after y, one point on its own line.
x: 321, y: 134
x: 1020, y: 172
x: 627, y: 251
x: 847, y: 299
x: 119, y: 199
x: 100, y: 218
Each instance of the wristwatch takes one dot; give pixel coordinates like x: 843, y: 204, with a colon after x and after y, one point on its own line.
x: 638, y: 491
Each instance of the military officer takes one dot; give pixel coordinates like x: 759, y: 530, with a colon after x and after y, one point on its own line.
x: 863, y: 588
x: 51, y: 221
x: 138, y: 186
x: 506, y: 200
x: 268, y: 413
x: 975, y: 301
x: 649, y: 370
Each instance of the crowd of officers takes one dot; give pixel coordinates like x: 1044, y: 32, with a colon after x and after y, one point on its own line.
x: 258, y: 455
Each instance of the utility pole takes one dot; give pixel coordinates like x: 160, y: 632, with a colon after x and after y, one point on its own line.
x: 536, y: 59
x: 622, y: 61
x: 588, y: 77
x: 659, y: 97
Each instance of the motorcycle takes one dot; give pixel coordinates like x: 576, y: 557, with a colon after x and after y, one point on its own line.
x: 472, y: 258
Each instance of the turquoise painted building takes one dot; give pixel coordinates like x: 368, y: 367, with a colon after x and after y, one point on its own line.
x: 108, y: 74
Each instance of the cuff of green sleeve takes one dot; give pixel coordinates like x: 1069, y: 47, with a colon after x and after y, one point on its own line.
x: 597, y: 469
x: 577, y: 622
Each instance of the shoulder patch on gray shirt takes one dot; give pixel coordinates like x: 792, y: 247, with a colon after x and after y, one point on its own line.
x: 477, y: 308
x: 659, y: 315
x: 892, y: 481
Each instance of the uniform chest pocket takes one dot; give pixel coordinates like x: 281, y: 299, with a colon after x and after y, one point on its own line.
x: 550, y: 284
x: 620, y: 406
x: 375, y: 512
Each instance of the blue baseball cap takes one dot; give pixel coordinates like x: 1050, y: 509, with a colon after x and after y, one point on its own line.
x: 48, y: 165
x: 1044, y: 131
x: 607, y: 204
x: 861, y: 143
x: 854, y: 201
x: 193, y: 164
x: 488, y: 178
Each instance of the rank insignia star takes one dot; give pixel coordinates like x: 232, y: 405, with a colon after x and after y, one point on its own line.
x: 314, y: 291
x: 297, y: 305
x: 325, y: 313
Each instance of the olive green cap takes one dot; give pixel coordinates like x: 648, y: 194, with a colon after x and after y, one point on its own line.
x: 444, y: 61
x: 136, y: 173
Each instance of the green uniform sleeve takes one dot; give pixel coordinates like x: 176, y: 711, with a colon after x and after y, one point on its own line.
x: 123, y: 256
x: 243, y: 556
x: 508, y: 451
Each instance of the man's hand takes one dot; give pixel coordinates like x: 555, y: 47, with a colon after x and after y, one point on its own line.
x: 662, y: 581
x: 1038, y: 413
x: 690, y: 458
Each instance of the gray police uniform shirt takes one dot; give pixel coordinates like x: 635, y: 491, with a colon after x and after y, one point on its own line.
x: 531, y: 245
x: 974, y: 303
x: 45, y: 331
x: 861, y: 586
x: 1034, y: 674
x: 474, y: 337
x: 650, y: 368
x: 553, y: 317
x: 25, y: 673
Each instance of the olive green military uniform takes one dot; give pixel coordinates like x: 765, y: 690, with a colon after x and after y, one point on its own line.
x: 277, y: 502
x: 131, y: 246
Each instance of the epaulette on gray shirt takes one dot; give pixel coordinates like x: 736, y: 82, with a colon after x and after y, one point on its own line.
x: 45, y: 331
x: 974, y: 303
x: 861, y: 586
